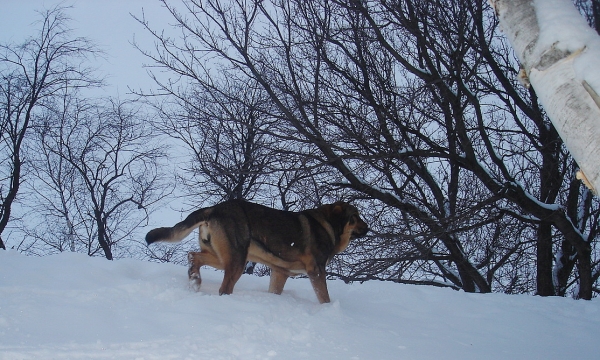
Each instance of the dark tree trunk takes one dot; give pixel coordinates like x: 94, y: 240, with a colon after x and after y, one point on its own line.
x: 545, y: 286
x: 596, y: 15
x: 584, y: 267
x: 102, y: 237
x: 567, y: 261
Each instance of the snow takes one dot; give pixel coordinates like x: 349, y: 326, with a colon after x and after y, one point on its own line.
x: 71, y: 306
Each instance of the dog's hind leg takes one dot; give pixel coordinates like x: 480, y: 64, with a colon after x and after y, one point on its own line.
x: 198, y: 259
x: 277, y: 281
x: 233, y: 271
x: 194, y: 270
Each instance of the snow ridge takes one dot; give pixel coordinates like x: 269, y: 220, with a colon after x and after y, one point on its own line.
x: 70, y: 306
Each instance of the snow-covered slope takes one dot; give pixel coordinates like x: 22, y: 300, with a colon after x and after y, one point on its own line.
x: 70, y: 306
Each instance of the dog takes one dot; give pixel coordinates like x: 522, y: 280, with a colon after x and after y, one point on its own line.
x: 290, y: 243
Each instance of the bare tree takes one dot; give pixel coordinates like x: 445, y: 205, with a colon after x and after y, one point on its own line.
x: 30, y: 75
x: 229, y: 126
x: 413, y: 107
x: 227, y: 140
x: 98, y: 176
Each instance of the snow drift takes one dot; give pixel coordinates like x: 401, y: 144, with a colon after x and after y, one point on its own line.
x: 70, y: 306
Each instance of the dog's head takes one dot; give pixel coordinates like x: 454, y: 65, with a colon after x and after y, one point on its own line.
x: 344, y: 218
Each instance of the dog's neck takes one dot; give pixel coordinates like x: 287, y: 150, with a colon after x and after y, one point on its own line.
x: 318, y: 216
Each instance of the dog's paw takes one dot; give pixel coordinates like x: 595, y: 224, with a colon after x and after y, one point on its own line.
x: 195, y: 282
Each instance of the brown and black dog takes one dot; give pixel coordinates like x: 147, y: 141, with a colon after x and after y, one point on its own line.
x: 290, y: 243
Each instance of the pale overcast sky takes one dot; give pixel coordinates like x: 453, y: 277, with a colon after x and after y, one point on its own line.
x: 107, y: 22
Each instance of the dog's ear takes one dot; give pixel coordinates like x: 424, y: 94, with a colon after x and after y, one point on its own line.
x: 337, y: 209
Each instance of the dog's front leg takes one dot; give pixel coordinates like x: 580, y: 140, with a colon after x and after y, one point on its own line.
x: 318, y: 280
x: 277, y: 281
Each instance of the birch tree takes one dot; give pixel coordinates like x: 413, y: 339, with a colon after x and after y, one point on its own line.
x: 558, y: 53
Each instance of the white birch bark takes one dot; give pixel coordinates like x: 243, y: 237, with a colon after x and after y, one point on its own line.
x: 570, y: 101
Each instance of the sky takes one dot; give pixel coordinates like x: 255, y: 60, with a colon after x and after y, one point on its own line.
x: 106, y: 22
x: 110, y: 25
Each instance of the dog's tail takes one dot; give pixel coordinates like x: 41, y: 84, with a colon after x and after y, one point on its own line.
x: 180, y: 230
